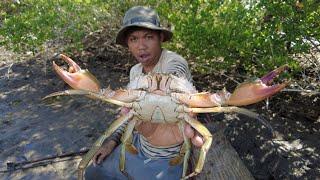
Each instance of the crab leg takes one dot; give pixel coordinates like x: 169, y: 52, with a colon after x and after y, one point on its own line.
x: 231, y: 109
x: 245, y: 94
x: 91, y: 94
x: 185, y: 151
x: 186, y: 148
x: 224, y: 109
x: 126, y: 140
x: 114, y: 126
x: 207, y: 137
x: 76, y: 77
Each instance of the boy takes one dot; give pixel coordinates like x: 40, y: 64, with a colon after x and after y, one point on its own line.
x: 156, y: 143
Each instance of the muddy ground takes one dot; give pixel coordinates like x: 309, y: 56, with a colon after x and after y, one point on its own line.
x: 31, y: 128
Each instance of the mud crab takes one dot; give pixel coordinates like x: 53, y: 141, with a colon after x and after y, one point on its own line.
x: 163, y: 98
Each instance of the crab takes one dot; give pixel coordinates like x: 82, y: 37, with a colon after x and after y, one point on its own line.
x: 163, y: 98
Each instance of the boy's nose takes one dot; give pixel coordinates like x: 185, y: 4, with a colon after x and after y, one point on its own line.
x: 142, y: 44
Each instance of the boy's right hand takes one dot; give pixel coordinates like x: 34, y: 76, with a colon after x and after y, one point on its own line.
x: 108, y: 145
x: 103, y: 152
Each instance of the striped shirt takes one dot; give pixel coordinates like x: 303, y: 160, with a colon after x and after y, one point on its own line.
x: 169, y: 62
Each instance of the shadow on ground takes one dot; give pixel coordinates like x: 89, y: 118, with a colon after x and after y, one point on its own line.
x: 32, y: 128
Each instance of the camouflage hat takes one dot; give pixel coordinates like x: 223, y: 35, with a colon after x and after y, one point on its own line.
x: 140, y: 16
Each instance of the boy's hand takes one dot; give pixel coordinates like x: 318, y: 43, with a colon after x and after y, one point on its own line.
x: 103, y: 152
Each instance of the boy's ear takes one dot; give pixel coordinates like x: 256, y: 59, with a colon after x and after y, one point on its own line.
x: 161, y: 36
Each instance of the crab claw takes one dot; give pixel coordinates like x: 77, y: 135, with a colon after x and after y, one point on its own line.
x: 253, y: 92
x: 75, y: 76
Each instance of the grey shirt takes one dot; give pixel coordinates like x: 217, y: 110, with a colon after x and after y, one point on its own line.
x: 169, y: 62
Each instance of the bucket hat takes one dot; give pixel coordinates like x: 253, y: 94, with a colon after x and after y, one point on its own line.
x: 140, y: 16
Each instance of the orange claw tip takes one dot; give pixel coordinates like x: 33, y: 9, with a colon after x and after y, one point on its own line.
x: 270, y: 90
x: 68, y: 77
x: 76, y: 77
x: 73, y: 65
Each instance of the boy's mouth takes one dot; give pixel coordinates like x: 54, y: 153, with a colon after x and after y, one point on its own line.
x: 144, y: 56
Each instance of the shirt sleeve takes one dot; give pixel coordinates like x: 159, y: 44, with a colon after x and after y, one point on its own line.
x: 177, y: 65
x: 135, y: 71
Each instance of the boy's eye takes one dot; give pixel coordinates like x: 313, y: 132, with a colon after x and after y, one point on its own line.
x: 133, y: 39
x: 149, y: 36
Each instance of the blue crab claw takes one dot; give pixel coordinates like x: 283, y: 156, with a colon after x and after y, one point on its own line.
x: 76, y: 77
x: 253, y: 92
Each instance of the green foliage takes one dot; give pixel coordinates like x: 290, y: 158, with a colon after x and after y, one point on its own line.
x: 250, y: 36
x: 253, y: 37
x: 28, y: 24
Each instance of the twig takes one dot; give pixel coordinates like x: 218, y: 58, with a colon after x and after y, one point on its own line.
x: 301, y: 90
x: 310, y: 60
x: 232, y: 79
x: 9, y: 69
x: 12, y: 166
x: 45, y: 61
x: 228, y: 77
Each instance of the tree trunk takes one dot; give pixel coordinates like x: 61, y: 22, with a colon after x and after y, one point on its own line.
x: 222, y: 161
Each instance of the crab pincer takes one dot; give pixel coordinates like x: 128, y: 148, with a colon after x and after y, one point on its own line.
x: 76, y: 77
x: 258, y: 90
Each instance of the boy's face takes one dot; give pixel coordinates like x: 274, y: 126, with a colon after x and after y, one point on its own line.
x: 145, y: 46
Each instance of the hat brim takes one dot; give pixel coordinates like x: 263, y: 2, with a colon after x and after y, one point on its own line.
x: 121, y: 36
